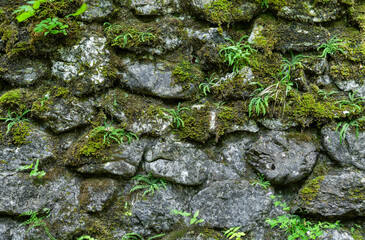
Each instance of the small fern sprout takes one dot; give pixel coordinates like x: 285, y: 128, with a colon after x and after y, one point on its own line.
x: 174, y: 115
x: 331, y: 47
x: 205, y: 87
x: 233, y: 234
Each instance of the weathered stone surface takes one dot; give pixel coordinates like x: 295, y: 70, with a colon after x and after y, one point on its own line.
x: 24, y: 72
x: 350, y: 152
x: 335, y: 234
x: 154, y: 7
x: 96, y: 193
x: 38, y: 145
x: 306, y: 11
x: 154, y: 212
x: 64, y: 115
x: 97, y: 10
x: 243, y: 11
x: 282, y: 159
x: 83, y: 67
x: 10, y: 229
x: 231, y: 203
x: 152, y: 79
x: 343, y: 190
x: 277, y: 124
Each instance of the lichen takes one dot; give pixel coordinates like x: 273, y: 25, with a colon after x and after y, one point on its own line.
x: 310, y: 189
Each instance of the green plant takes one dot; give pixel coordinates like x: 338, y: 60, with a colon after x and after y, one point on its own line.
x: 79, y: 11
x: 36, y: 219
x: 132, y: 34
x: 205, y: 87
x: 260, y: 100
x: 264, y: 4
x: 237, y: 54
x: 86, y: 237
x: 346, y: 125
x: 135, y: 236
x: 111, y: 133
x: 110, y: 27
x: 295, y: 61
x: 297, y: 227
x: 232, y: 233
x: 193, y: 220
x: 219, y: 105
x: 145, y: 36
x: 354, y: 102
x: 44, y: 99
x: 174, y: 115
x: 34, y: 172
x: 124, y: 36
x: 261, y: 181
x: 26, y: 11
x: 51, y: 25
x: 331, y: 47
x: 148, y: 182
x: 12, y: 121
x: 324, y: 94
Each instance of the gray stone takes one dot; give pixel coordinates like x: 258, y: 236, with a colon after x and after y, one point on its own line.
x: 306, y: 11
x: 24, y: 71
x: 10, y: 229
x: 281, y: 159
x: 277, y: 124
x: 154, y: 7
x: 243, y: 11
x: 231, y: 203
x: 97, y: 10
x: 350, y: 152
x: 83, y: 67
x: 209, y: 35
x: 153, y: 79
x: 38, y: 145
x: 64, y: 115
x: 335, y: 234
x: 343, y: 190
x: 95, y: 194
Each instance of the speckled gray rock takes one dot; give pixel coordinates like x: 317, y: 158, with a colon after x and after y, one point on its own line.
x: 231, y: 203
x: 10, y: 229
x: 277, y: 124
x: 123, y: 161
x: 282, y: 159
x: 243, y: 11
x: 97, y: 10
x: 154, y: 7
x: 38, y: 145
x: 154, y: 212
x: 83, y: 67
x: 24, y: 72
x: 152, y: 79
x: 64, y: 115
x: 350, y: 152
x: 95, y: 194
x: 306, y: 11
x: 343, y: 190
x: 185, y: 164
x: 335, y: 234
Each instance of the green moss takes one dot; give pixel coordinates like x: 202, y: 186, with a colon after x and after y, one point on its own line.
x: 196, y: 124
x: 186, y: 74
x: 357, y: 194
x: 19, y: 133
x: 93, y: 147
x: 310, y: 189
x: 222, y: 11
x: 13, y: 99
x: 300, y: 136
x: 348, y: 71
x: 230, y: 116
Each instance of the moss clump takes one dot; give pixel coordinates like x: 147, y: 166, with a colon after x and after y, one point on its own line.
x: 19, y: 133
x: 92, y: 147
x: 196, y: 124
x: 311, y: 188
x: 230, y: 116
x: 13, y: 99
x: 348, y: 71
x: 186, y: 74
x: 222, y: 11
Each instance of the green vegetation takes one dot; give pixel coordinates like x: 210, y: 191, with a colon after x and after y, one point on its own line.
x: 26, y: 11
x: 354, y: 102
x: 148, y: 182
x: 261, y: 181
x: 205, y: 87
x: 51, y: 25
x: 297, y: 227
x: 260, y: 100
x: 233, y: 234
x: 237, y: 54
x: 86, y: 237
x: 331, y: 47
x: 36, y: 220
x: 346, y: 125
x: 325, y: 94
x: 110, y: 133
x: 79, y: 11
x: 193, y: 220
x: 174, y: 116
x: 34, y: 172
x: 14, y: 120
x: 296, y: 61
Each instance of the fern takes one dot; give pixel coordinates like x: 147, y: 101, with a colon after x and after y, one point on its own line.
x: 151, y: 183
x: 232, y: 233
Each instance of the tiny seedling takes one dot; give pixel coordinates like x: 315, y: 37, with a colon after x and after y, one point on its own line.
x: 205, y: 87
x: 14, y: 120
x: 233, y: 234
x: 331, y: 47
x: 325, y: 94
x: 36, y: 220
x: 34, y: 172
x: 261, y: 181
x: 148, y: 182
x: 175, y: 115
x: 354, y: 102
x: 145, y: 36
x: 193, y: 220
x: 296, y: 61
x: 111, y: 133
x: 346, y: 125
x: 124, y: 36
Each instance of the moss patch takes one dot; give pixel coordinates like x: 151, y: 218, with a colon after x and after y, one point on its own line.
x: 310, y: 189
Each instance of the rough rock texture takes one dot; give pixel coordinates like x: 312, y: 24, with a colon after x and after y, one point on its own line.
x: 349, y: 152
x: 281, y: 159
x: 154, y: 7
x: 245, y: 204
x: 97, y: 10
x: 84, y: 66
x: 10, y: 229
x: 343, y: 190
